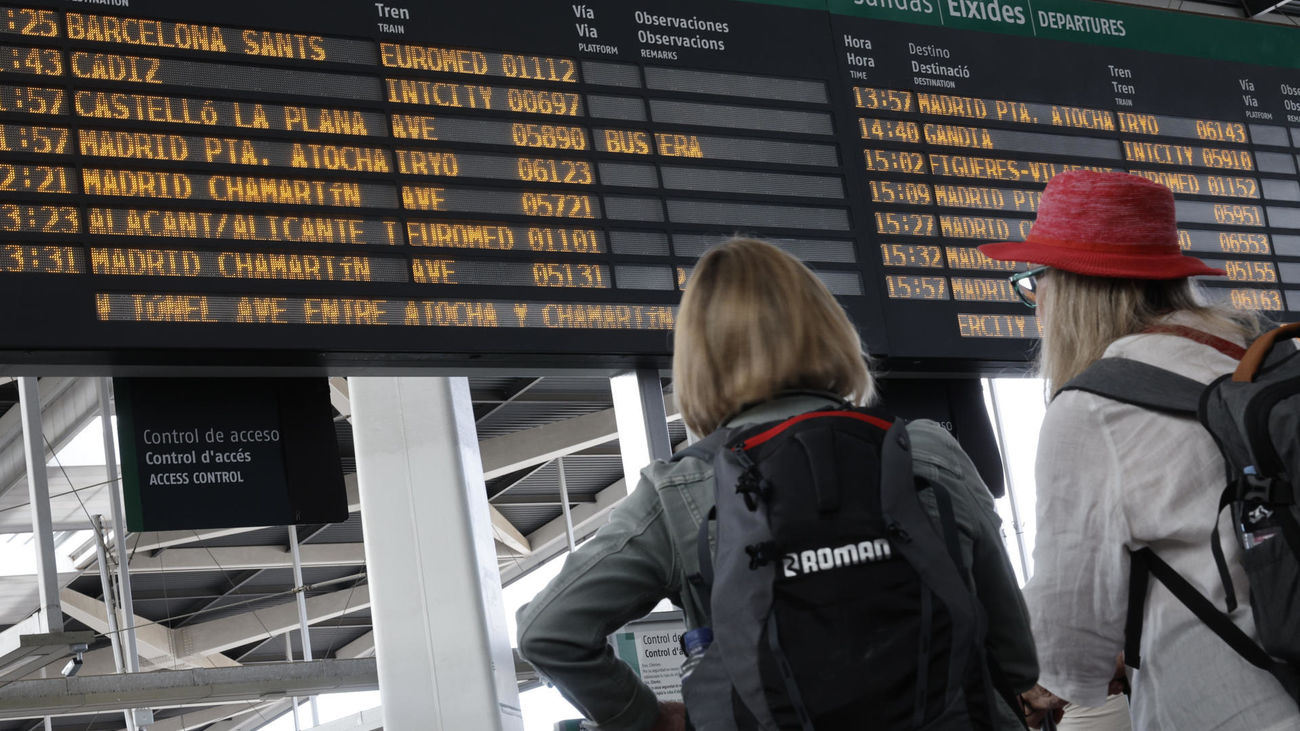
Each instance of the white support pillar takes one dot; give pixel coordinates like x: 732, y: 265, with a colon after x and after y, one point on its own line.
x: 38, y: 493
x: 128, y: 648
x: 110, y: 604
x: 642, y: 421
x: 565, y: 508
x: 130, y: 652
x: 304, y: 629
x: 288, y: 657
x: 443, y: 655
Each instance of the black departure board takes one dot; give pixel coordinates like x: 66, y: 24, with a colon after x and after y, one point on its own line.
x: 338, y: 182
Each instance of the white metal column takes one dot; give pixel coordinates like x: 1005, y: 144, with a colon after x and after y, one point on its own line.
x: 642, y: 421
x: 304, y: 628
x: 38, y: 493
x: 130, y: 652
x: 125, y: 645
x: 444, y: 657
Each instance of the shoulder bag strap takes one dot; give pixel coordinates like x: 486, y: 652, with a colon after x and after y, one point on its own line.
x: 1144, y: 563
x: 1140, y: 384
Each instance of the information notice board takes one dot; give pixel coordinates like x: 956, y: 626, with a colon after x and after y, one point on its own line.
x: 228, y: 452
x: 342, y: 181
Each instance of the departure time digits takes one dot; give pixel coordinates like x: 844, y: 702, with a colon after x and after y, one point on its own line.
x: 34, y: 61
x: 29, y: 22
x: 915, y: 194
x: 39, y: 140
x: 35, y: 178
x: 31, y: 100
x: 40, y: 259
x: 903, y: 286
x: 911, y: 255
x: 888, y: 100
x: 15, y: 217
x: 891, y: 130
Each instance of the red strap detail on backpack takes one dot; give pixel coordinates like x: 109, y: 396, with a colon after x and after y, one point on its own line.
x: 1227, y: 347
x: 758, y: 439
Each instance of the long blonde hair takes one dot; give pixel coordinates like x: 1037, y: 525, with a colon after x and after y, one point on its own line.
x: 1081, y: 316
x: 753, y: 322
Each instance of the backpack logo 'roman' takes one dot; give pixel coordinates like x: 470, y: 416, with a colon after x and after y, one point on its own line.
x: 822, y: 559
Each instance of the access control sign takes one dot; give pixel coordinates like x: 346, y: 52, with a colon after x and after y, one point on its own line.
x: 228, y: 452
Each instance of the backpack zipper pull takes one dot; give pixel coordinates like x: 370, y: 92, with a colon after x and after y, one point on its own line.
x: 749, y: 484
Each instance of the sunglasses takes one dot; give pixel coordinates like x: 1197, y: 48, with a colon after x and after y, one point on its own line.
x: 1026, y: 285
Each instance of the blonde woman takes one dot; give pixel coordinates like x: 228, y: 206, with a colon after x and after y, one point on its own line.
x: 1114, y: 478
x: 755, y: 332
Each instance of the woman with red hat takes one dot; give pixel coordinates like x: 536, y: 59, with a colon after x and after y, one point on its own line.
x: 1112, y: 478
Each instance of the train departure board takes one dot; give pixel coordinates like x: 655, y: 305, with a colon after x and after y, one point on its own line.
x: 344, y: 182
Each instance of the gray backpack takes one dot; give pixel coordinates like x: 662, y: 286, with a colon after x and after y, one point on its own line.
x: 1254, y: 416
x: 836, y: 604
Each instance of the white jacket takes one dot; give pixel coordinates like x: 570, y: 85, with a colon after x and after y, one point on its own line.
x: 1113, y: 477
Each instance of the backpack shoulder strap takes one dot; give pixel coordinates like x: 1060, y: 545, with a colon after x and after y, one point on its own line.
x: 913, y: 535
x: 1134, y: 382
x: 701, y: 581
x: 1144, y: 564
x: 1150, y: 387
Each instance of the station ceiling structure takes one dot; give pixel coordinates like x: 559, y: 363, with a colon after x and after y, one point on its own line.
x: 225, y: 598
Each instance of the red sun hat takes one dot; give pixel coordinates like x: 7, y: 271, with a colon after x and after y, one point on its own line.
x: 1104, y: 225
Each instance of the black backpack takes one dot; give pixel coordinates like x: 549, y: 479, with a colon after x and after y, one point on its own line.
x: 1254, y: 416
x: 835, y: 603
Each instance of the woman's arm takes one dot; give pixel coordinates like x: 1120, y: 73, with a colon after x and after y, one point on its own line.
x: 1078, y: 596
x: 617, y: 576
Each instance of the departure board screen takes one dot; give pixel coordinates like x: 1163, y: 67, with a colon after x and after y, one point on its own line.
x: 339, y: 182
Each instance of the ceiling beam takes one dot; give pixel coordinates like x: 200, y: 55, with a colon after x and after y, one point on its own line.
x: 200, y: 717
x: 247, y: 558
x: 507, y: 534
x: 155, y: 642
x: 552, y: 538
x: 506, y: 501
x: 218, y: 635
x: 255, y: 717
x: 517, y: 481
x: 517, y: 389
x: 523, y: 449
x: 236, y: 582
x: 371, y: 719
x: 66, y: 405
x: 363, y: 646
x: 171, y: 688
x: 340, y: 398
x: 520, y: 450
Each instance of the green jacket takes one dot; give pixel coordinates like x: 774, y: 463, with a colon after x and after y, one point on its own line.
x: 645, y: 553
